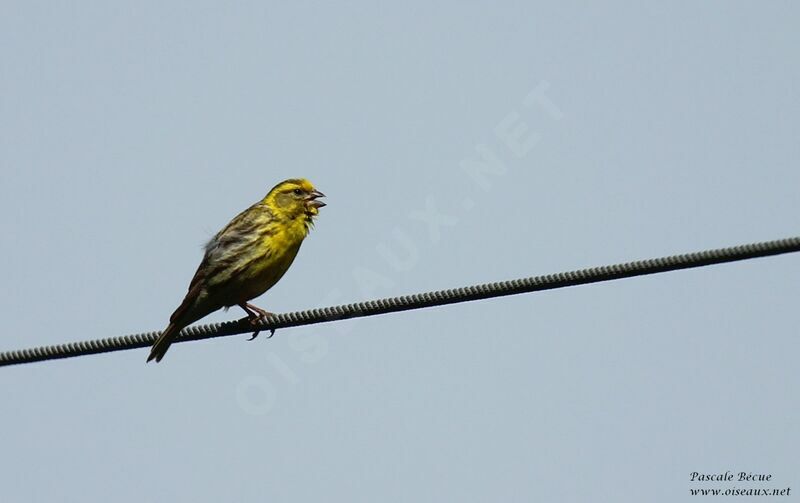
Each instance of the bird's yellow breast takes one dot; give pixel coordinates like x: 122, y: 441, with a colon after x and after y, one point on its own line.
x: 274, y: 255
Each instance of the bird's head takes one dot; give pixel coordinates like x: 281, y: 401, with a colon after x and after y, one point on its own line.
x: 295, y: 198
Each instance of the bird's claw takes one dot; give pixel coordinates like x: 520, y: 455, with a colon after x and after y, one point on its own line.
x: 255, y: 334
x: 260, y: 317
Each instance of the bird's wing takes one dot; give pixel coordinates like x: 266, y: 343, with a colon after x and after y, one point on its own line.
x: 226, y: 255
x: 230, y: 249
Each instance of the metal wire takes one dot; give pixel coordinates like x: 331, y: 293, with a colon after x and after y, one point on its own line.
x: 416, y: 301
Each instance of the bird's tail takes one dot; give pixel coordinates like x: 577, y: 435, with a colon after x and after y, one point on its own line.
x: 163, y: 342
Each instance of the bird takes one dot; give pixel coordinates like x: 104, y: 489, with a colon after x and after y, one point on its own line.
x: 246, y: 258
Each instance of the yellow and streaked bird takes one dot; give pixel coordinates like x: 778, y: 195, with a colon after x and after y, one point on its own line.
x: 247, y: 257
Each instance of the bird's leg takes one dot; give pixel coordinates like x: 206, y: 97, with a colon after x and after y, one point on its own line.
x: 256, y: 314
x: 261, y: 312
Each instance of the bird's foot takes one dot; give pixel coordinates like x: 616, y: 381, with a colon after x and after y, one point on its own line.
x: 255, y: 315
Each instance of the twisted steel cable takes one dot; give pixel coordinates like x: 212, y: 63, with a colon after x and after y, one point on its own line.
x: 416, y: 301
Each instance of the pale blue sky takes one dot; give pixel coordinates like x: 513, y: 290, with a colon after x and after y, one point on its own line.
x: 131, y: 132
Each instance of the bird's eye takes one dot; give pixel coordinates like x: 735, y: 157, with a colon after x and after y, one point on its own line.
x: 297, y: 192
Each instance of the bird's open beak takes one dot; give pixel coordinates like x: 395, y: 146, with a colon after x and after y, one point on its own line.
x: 312, y: 199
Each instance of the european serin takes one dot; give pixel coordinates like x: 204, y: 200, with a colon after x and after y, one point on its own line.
x: 247, y: 257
